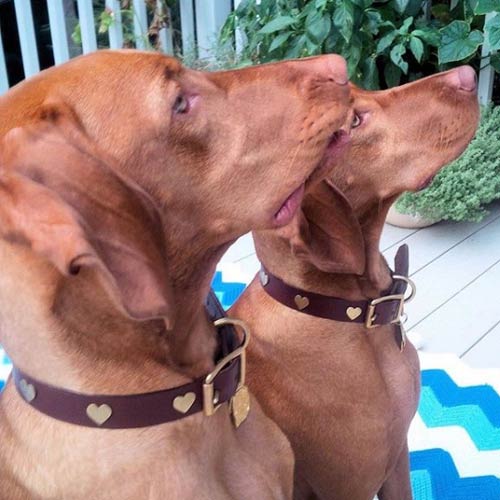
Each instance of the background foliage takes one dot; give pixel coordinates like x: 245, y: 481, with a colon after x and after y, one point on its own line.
x: 386, y: 42
x: 461, y: 190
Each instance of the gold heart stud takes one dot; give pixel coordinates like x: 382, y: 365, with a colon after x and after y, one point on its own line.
x: 301, y: 302
x: 183, y: 403
x: 353, y: 312
x: 264, y: 278
x: 99, y: 414
x: 28, y: 391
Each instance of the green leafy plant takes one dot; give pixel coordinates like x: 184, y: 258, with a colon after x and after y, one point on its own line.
x: 463, y: 189
x: 385, y: 42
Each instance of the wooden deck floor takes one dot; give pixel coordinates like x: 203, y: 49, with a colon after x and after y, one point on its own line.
x: 456, y: 267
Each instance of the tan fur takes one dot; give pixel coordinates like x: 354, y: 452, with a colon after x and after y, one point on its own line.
x: 344, y: 395
x: 114, y: 212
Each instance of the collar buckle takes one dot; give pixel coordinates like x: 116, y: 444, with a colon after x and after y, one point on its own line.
x: 371, y: 314
x: 210, y: 397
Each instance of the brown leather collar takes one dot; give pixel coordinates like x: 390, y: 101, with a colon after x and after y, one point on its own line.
x: 153, y: 408
x: 381, y: 311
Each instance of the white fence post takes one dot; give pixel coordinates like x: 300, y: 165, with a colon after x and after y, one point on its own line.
x: 87, y: 25
x: 140, y: 23
x: 239, y: 37
x: 27, y: 38
x: 187, y: 26
x: 210, y: 16
x: 165, y: 33
x: 486, y: 73
x: 116, y: 29
x: 4, y: 80
x: 58, y: 31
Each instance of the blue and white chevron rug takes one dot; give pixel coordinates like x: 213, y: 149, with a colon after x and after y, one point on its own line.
x: 455, y: 436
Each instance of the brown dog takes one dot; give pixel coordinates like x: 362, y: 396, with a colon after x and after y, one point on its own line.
x: 128, y: 178
x: 345, y: 394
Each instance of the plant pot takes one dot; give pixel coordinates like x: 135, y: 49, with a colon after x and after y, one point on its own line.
x: 408, y: 221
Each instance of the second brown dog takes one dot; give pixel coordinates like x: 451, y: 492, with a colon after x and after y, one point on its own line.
x: 343, y: 393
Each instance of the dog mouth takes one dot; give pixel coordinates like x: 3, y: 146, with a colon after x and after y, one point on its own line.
x: 335, y: 147
x: 425, y: 183
x: 289, y: 207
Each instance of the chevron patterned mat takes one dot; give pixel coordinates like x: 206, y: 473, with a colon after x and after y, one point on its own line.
x: 455, y: 437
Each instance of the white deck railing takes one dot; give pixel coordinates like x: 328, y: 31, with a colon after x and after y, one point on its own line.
x: 201, y: 27
x: 200, y: 21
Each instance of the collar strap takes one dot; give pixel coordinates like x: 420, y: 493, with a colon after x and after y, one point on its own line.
x: 380, y: 311
x: 143, y: 410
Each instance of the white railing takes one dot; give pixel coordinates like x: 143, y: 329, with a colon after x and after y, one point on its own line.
x: 200, y: 21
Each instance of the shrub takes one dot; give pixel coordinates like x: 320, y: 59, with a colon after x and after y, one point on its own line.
x: 462, y: 190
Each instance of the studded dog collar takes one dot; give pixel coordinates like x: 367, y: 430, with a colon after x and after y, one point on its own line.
x: 384, y: 310
x: 226, y: 382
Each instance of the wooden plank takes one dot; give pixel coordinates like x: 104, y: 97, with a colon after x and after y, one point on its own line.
x: 459, y: 323
x: 243, y: 247
x: 210, y: 16
x: 187, y: 26
x: 58, y: 31
x: 486, y: 353
x: 392, y: 235
x: 27, y: 38
x: 430, y: 243
x: 115, y: 32
x: 140, y: 24
x: 87, y: 27
x: 4, y: 80
x: 447, y: 275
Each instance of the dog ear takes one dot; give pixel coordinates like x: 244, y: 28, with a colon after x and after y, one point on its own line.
x: 327, y: 233
x: 60, y: 196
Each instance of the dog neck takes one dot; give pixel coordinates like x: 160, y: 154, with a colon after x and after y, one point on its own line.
x: 59, y: 336
x: 278, y: 257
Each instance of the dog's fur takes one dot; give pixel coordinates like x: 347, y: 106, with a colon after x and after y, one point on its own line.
x: 345, y: 395
x: 114, y: 210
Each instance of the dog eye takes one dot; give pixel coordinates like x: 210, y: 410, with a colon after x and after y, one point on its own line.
x: 181, y: 105
x: 356, y: 121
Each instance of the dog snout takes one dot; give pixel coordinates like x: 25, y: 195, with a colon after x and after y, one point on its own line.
x: 330, y: 67
x: 463, y: 78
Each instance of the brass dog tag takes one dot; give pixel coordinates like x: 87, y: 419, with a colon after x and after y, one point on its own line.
x: 240, y: 405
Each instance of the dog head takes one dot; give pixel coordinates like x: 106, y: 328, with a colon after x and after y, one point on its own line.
x: 130, y: 163
x: 400, y: 138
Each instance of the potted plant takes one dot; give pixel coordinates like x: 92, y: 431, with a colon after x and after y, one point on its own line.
x: 463, y: 189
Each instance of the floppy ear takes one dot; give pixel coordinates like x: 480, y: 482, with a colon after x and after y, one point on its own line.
x: 60, y: 196
x: 327, y: 233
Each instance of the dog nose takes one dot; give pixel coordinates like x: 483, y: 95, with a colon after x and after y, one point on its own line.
x: 465, y: 78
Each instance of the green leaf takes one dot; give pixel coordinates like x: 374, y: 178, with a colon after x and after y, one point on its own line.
x: 296, y: 47
x: 343, y: 19
x: 492, y: 32
x: 370, y: 78
x: 430, y: 36
x: 321, y: 4
x: 392, y: 75
x: 405, y: 26
x: 386, y: 41
x: 495, y: 62
x: 352, y: 55
x: 318, y: 26
x: 458, y: 42
x: 417, y: 48
x: 397, y: 54
x: 486, y: 6
x: 277, y: 24
x: 373, y: 20
x: 453, y: 4
x: 400, y: 5
x: 279, y: 40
